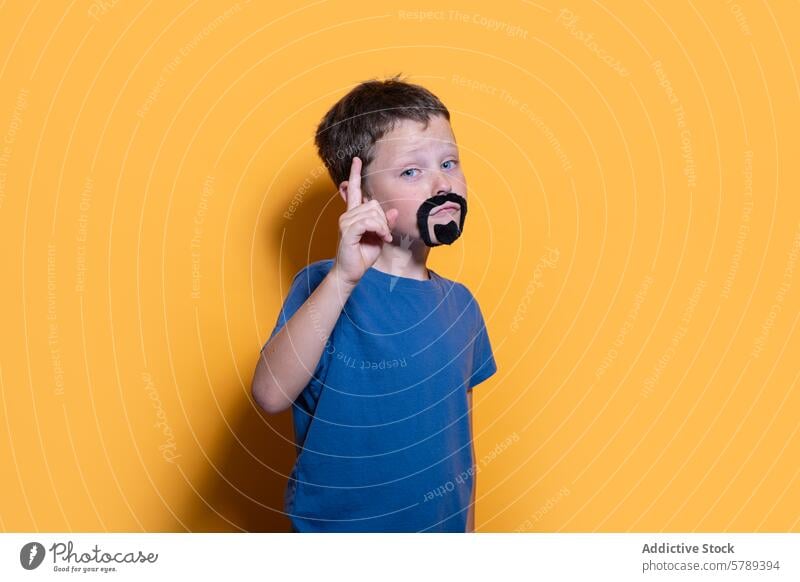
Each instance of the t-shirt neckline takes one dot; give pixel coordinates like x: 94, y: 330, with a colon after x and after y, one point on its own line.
x: 405, y: 283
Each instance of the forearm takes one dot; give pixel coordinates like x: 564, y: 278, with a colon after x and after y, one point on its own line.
x: 289, y: 359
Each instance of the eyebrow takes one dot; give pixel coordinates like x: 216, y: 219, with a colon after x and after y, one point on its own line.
x: 411, y: 153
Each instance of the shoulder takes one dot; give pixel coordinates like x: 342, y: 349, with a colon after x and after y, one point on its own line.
x: 460, y: 294
x: 460, y: 291
x: 315, y: 271
x: 309, y: 277
x: 471, y: 306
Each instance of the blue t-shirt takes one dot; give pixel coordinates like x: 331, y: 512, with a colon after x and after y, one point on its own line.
x: 382, y: 429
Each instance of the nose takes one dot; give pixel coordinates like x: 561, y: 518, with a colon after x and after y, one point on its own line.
x: 442, y: 183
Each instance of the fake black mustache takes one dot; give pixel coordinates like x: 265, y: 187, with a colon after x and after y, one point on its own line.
x: 445, y: 233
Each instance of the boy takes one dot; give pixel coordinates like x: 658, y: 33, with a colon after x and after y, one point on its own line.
x: 375, y: 353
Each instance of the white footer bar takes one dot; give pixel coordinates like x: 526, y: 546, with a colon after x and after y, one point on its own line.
x: 389, y: 557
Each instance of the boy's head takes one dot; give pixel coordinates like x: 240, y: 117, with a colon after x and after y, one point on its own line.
x: 401, y: 132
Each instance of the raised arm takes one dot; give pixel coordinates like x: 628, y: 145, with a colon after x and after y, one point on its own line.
x: 289, y: 359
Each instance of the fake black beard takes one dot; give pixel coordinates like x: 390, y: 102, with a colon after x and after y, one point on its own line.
x: 445, y: 233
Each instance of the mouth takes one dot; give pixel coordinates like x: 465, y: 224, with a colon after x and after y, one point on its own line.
x: 447, y: 208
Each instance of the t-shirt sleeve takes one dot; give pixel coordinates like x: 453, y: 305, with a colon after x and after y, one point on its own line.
x: 303, y: 285
x: 483, y: 364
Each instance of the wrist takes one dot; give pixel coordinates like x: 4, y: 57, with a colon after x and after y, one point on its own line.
x: 341, y: 282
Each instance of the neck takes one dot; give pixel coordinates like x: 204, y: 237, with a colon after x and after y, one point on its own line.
x: 404, y: 257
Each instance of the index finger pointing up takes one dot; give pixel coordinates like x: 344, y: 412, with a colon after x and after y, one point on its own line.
x: 354, y: 184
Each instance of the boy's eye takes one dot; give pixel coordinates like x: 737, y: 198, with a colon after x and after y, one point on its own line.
x: 408, y: 172
x: 451, y: 162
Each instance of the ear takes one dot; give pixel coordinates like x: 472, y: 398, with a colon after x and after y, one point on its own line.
x: 365, y: 193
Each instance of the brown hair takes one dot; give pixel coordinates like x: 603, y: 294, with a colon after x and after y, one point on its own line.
x: 352, y: 126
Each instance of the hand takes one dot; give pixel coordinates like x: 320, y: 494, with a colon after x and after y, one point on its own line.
x: 363, y: 230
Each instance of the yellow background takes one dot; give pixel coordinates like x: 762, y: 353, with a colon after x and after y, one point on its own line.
x: 633, y: 242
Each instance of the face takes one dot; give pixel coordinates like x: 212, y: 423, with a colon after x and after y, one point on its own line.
x: 412, y: 164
